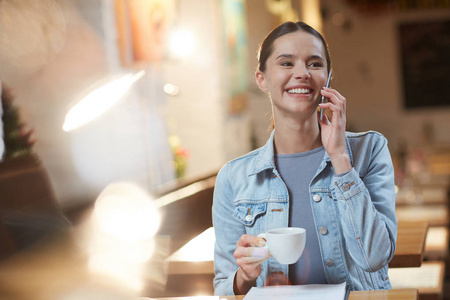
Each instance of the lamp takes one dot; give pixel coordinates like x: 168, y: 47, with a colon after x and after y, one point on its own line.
x: 99, y: 101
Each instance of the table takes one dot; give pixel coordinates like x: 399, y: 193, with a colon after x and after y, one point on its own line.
x: 197, y: 256
x: 57, y: 269
x: 400, y: 294
x: 410, y: 249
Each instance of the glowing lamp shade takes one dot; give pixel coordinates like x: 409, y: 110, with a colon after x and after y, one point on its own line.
x: 182, y: 43
x: 99, y: 101
x: 125, y: 211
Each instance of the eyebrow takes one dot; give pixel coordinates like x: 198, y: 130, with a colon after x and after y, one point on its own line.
x: 291, y: 56
x: 284, y: 56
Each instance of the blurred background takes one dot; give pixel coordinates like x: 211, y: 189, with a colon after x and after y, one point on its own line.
x: 198, y: 92
x: 193, y: 104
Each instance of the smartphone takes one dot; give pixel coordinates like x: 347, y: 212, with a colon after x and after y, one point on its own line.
x: 323, y: 98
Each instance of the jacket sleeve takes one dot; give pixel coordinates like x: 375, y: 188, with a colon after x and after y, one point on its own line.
x: 366, y: 205
x: 228, y: 230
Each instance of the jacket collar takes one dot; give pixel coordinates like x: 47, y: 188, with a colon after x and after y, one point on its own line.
x: 265, y: 158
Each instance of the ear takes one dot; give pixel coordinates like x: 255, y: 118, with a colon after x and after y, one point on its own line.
x: 260, y: 80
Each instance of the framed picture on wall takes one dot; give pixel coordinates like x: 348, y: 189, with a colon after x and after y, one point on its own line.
x: 142, y: 29
x: 235, y: 53
x: 425, y: 59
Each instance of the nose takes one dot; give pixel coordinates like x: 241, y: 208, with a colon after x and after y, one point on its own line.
x: 301, y: 72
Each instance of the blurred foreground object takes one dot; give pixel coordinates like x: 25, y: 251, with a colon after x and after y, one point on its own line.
x: 120, y: 236
x: 112, y: 253
x: 18, y: 141
x: 29, y: 209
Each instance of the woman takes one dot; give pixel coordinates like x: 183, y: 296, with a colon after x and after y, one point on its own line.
x: 337, y: 185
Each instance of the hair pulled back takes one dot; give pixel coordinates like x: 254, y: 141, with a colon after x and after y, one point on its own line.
x: 266, y: 48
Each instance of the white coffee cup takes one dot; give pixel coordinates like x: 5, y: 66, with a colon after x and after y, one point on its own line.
x: 285, y: 244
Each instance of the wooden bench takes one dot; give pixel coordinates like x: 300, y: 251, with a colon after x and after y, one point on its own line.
x: 411, y: 238
x: 186, y: 211
x: 436, y: 244
x: 428, y: 279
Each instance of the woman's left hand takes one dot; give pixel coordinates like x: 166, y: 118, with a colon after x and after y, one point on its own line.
x: 333, y: 133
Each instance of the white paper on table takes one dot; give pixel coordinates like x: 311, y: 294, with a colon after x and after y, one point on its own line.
x: 300, y: 292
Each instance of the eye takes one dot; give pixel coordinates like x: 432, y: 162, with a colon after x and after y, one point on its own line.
x: 316, y: 64
x: 286, y: 64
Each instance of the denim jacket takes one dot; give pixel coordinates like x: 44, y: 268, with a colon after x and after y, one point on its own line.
x: 357, y: 209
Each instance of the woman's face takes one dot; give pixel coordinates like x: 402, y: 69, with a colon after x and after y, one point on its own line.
x: 295, y: 73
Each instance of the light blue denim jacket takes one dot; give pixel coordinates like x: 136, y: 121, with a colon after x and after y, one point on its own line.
x: 358, y: 210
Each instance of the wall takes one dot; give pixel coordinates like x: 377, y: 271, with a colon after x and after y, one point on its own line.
x: 261, y: 22
x: 196, y: 113
x: 125, y: 143
x: 199, y: 114
x: 45, y: 81
x: 367, y: 71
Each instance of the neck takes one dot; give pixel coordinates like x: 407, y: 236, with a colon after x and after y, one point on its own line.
x: 296, y: 137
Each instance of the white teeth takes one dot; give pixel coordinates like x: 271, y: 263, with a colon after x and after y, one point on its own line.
x: 298, y: 91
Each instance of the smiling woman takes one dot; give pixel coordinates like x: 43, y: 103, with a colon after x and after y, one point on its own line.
x: 321, y: 57
x: 310, y: 174
x: 308, y: 66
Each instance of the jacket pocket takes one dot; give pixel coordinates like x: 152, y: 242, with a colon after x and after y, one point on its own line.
x: 248, y: 213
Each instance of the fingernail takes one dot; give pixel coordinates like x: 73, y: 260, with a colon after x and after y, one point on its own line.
x: 262, y: 242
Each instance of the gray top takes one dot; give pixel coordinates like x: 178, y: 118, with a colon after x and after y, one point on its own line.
x: 297, y: 171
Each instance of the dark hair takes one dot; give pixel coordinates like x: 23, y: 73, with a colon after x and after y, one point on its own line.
x: 266, y: 48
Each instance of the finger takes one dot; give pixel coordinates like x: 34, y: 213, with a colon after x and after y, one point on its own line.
x: 254, y: 258
x: 334, y: 92
x: 337, y: 113
x: 247, y: 240
x: 335, y: 99
x: 252, y: 253
x: 334, y: 96
x: 324, y: 121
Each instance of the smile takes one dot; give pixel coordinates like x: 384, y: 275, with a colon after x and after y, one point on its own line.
x: 299, y: 91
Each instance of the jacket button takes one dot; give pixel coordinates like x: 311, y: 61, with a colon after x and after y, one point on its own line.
x: 323, y: 230
x: 345, y: 186
x: 329, y: 262
x: 317, y: 198
x: 248, y: 218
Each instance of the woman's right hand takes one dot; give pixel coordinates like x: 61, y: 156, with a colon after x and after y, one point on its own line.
x: 250, y: 253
